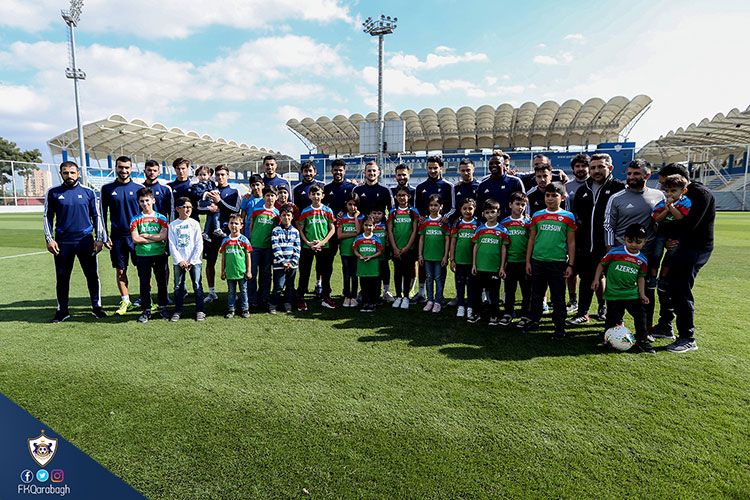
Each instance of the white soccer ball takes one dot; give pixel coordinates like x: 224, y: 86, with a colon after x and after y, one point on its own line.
x: 619, y: 337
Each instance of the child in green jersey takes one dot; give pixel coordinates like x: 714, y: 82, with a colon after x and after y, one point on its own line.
x: 626, y: 268
x: 403, y: 224
x: 549, y: 257
x: 263, y: 218
x: 235, y: 253
x: 434, y: 245
x: 462, y: 257
x: 149, y: 232
x: 517, y: 225
x: 348, y: 227
x: 368, y: 247
x: 381, y: 231
x: 490, y: 243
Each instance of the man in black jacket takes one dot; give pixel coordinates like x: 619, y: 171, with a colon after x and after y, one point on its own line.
x: 591, y: 203
x: 692, y: 250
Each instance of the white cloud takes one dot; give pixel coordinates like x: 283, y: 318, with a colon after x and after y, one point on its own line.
x: 173, y: 18
x: 575, y: 37
x: 471, y: 89
x: 541, y: 46
x: 443, y: 56
x: 397, y: 82
x: 562, y: 58
x: 21, y: 100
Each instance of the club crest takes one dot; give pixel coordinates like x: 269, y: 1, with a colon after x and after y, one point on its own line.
x: 42, y: 449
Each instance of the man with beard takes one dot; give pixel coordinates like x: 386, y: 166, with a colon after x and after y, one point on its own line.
x: 300, y: 191
x: 529, y: 178
x: 270, y: 177
x: 580, y: 167
x: 499, y: 185
x: 465, y: 188
x: 163, y: 197
x: 372, y: 194
x: 402, y: 173
x: 434, y: 184
x: 181, y: 185
x: 338, y: 190
x: 591, y: 203
x: 120, y: 201
x: 77, y: 211
x: 542, y: 176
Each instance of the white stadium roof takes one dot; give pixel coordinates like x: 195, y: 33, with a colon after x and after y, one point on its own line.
x: 722, y: 134
x: 571, y: 123
x: 118, y: 136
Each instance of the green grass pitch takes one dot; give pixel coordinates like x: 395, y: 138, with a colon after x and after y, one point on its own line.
x: 388, y: 406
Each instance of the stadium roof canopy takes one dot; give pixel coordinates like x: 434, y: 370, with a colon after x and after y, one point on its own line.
x: 571, y: 123
x: 722, y: 134
x: 117, y: 136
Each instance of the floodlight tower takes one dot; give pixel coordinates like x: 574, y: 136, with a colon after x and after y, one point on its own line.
x: 379, y: 28
x: 71, y: 18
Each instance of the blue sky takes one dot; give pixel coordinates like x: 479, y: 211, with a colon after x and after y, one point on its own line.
x: 239, y: 69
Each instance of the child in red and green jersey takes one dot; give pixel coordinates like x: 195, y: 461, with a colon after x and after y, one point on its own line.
x: 381, y: 231
x: 316, y: 226
x: 263, y: 219
x: 549, y: 257
x: 490, y: 243
x: 235, y: 254
x: 149, y: 232
x: 626, y: 268
x: 403, y: 224
x: 283, y: 199
x: 348, y: 227
x: 462, y: 256
x: 368, y: 247
x: 518, y: 227
x: 434, y: 245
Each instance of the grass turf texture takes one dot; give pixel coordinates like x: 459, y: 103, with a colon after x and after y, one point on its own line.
x: 390, y: 405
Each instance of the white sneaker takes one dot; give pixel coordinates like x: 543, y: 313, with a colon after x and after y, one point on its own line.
x: 347, y: 302
x: 428, y: 306
x: 461, y: 312
x: 469, y: 312
x: 397, y: 303
x: 353, y: 303
x: 437, y: 307
x: 388, y: 297
x: 405, y: 303
x: 210, y: 297
x: 453, y: 303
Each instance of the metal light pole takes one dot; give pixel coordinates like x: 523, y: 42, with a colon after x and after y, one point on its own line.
x: 380, y: 27
x: 71, y: 19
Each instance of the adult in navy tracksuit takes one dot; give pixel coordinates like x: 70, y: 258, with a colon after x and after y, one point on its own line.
x: 120, y: 202
x: 435, y: 184
x: 270, y: 177
x: 498, y: 186
x: 402, y: 172
x: 163, y: 197
x: 464, y: 188
x: 73, y: 211
x: 372, y: 194
x: 300, y: 192
x: 181, y: 185
x: 338, y: 190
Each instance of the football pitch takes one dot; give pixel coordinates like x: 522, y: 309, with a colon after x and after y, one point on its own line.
x: 392, y: 405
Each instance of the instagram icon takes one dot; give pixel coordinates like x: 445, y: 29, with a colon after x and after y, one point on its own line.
x: 57, y: 476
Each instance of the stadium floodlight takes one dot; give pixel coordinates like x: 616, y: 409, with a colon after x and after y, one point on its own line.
x: 379, y: 28
x: 71, y: 18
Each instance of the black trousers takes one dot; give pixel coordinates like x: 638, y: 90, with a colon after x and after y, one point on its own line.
x: 515, y: 275
x: 323, y: 266
x: 586, y: 264
x: 677, y: 301
x: 491, y: 283
x: 549, y: 274
x: 157, y: 264
x: 370, y: 289
x: 64, y: 262
x: 403, y: 272
x: 616, y: 312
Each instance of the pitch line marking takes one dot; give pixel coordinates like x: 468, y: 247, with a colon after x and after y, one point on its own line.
x: 22, y: 255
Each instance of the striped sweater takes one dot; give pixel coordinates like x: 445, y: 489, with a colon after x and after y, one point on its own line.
x: 286, y: 245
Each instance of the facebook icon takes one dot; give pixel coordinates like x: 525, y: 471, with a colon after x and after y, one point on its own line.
x: 27, y: 476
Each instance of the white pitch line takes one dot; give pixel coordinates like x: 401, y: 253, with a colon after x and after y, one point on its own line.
x: 21, y: 255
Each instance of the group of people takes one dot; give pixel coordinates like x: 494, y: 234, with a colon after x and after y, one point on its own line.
x: 534, y: 231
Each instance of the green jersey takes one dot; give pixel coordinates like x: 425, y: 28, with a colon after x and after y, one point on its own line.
x: 489, y: 241
x: 313, y: 222
x: 518, y: 232
x: 379, y: 231
x: 149, y: 224
x: 434, y: 231
x: 348, y: 225
x: 235, y: 251
x: 368, y: 246
x: 401, y: 221
x: 264, y: 220
x: 623, y: 270
x: 552, y: 228
x: 463, y: 232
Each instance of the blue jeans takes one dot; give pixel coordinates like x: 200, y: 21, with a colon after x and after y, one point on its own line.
x: 195, y: 272
x: 232, y: 295
x: 283, y: 281
x: 434, y: 277
x: 259, y: 286
x: 349, y: 270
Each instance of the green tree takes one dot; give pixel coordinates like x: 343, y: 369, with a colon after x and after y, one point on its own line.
x: 11, y: 152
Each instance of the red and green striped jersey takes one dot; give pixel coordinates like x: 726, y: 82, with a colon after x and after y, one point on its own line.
x: 434, y: 232
x: 489, y: 241
x: 518, y: 232
x: 264, y: 220
x: 379, y: 231
x: 149, y: 224
x: 313, y: 222
x: 463, y: 232
x: 623, y: 270
x: 235, y: 251
x: 348, y: 225
x: 368, y: 245
x: 401, y: 222
x: 552, y: 228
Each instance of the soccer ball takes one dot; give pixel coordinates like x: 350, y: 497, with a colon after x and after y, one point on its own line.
x: 619, y: 337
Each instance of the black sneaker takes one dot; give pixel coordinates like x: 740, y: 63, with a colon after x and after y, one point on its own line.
x: 60, y: 316
x: 98, y: 313
x: 680, y: 346
x: 530, y: 326
x: 144, y: 317
x: 559, y: 335
x: 644, y: 347
x: 474, y: 318
x: 663, y: 332
x: 164, y: 313
x: 229, y: 315
x: 601, y: 314
x: 245, y: 314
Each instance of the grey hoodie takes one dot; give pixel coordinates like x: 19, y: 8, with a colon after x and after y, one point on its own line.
x: 630, y: 207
